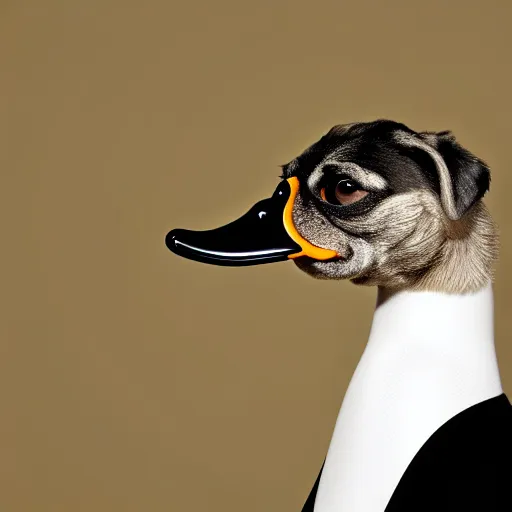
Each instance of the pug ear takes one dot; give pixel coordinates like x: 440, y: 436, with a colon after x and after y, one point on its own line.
x: 463, y: 178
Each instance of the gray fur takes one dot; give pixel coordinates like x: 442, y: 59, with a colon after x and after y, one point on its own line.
x: 413, y: 238
x: 369, y: 179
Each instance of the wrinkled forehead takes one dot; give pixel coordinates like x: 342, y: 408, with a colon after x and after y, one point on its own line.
x: 374, y: 150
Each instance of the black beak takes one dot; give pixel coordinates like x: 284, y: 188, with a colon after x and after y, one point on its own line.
x: 265, y: 234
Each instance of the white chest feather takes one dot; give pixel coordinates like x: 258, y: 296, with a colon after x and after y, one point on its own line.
x: 429, y: 356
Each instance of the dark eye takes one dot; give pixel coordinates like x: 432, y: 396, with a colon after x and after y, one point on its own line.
x: 342, y: 191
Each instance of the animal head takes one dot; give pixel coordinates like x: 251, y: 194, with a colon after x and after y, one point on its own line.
x: 397, y: 208
x: 401, y: 208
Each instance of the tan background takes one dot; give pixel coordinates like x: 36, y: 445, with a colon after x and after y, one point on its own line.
x: 133, y: 380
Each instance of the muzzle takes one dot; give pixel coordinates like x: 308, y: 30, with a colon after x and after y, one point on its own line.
x: 265, y: 234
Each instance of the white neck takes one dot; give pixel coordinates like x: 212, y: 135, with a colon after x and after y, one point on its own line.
x: 429, y: 356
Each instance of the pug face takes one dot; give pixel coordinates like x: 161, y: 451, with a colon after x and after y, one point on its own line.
x: 401, y: 208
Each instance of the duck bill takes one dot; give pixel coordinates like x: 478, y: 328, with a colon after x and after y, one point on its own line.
x: 265, y: 234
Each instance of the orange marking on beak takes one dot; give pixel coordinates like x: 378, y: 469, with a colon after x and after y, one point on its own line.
x: 308, y: 249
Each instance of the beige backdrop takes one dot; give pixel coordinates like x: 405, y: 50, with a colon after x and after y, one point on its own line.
x: 131, y: 379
